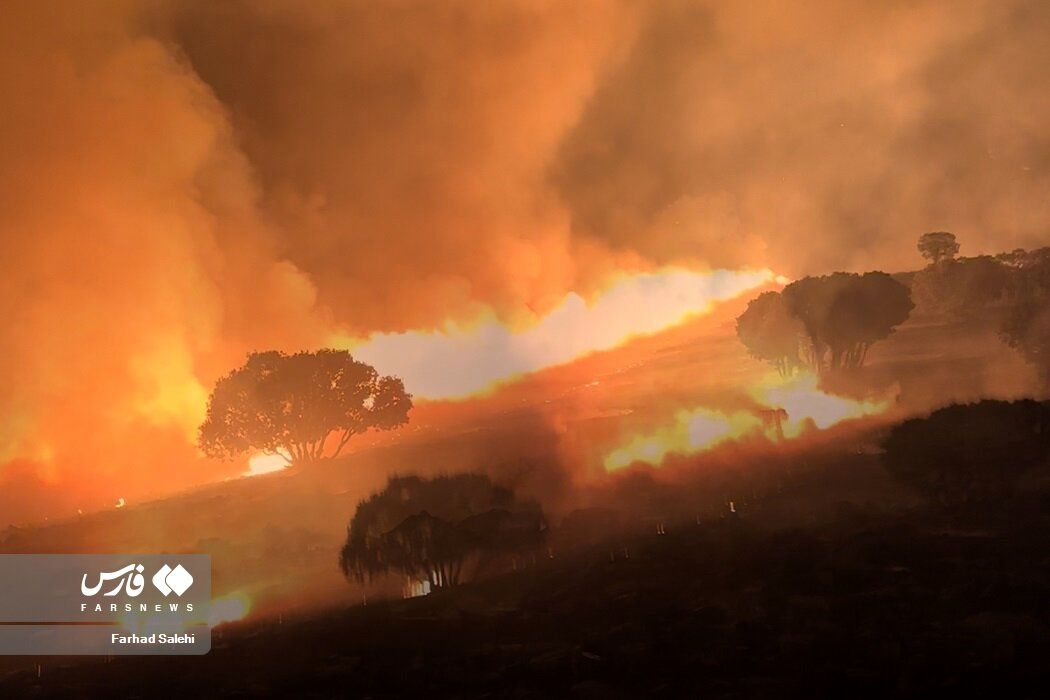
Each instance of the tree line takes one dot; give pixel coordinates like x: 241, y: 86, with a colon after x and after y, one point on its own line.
x: 830, y: 322
x: 823, y: 323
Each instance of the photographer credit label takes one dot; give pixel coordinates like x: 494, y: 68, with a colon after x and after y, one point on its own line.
x: 105, y: 604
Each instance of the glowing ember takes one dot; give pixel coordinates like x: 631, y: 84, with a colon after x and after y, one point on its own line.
x: 228, y: 609
x: 265, y: 464
x: 794, y: 404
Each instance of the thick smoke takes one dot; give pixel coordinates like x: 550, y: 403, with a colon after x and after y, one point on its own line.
x: 180, y: 184
x: 404, y: 147
x: 138, y: 262
x: 183, y: 182
x: 819, y: 135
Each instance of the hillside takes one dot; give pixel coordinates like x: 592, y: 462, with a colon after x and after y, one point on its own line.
x: 274, y: 538
x: 855, y: 597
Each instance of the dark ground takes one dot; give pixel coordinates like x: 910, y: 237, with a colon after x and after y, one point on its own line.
x: 862, y: 601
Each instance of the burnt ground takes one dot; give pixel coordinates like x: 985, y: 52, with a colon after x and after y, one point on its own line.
x: 869, y: 601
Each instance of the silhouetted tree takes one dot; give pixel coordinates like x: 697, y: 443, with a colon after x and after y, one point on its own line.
x: 770, y: 333
x: 962, y: 287
x: 1026, y: 324
x: 428, y: 528
x: 938, y: 246
x: 292, y: 405
x: 843, y: 314
x: 1015, y: 258
x: 1030, y: 261
x: 969, y: 455
x: 426, y: 548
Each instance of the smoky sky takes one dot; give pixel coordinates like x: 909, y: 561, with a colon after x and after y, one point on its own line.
x: 477, y: 154
x: 817, y: 136
x: 183, y: 182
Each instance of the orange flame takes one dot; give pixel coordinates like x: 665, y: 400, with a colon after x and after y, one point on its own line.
x: 458, y: 362
x: 692, y: 431
x: 263, y: 463
x: 701, y: 429
x: 806, y: 403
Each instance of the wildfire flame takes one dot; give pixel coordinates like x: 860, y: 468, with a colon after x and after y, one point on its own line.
x: 794, y: 404
x: 459, y: 362
x: 263, y: 463
x: 692, y: 431
x: 804, y: 402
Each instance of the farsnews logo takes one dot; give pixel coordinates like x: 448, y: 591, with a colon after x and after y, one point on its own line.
x: 130, y: 580
x: 169, y: 580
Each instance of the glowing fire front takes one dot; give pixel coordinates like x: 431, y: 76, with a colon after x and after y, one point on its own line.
x: 692, y: 431
x: 792, y: 405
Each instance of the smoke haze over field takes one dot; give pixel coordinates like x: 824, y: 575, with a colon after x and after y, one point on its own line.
x: 181, y: 183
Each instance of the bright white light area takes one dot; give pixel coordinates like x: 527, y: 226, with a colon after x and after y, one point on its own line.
x: 457, y: 362
x: 264, y: 464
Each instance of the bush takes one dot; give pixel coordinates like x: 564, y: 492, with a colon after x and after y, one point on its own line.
x: 972, y: 455
x: 427, y: 528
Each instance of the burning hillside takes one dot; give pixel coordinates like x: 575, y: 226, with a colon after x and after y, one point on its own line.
x: 785, y: 408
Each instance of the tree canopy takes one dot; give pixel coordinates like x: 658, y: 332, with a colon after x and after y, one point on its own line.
x: 427, y: 528
x: 826, y: 322
x: 963, y: 287
x: 293, y: 405
x: 937, y: 246
x: 770, y: 333
x: 969, y: 455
